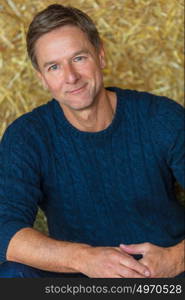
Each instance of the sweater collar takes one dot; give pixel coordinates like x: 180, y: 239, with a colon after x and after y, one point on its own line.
x: 63, y: 124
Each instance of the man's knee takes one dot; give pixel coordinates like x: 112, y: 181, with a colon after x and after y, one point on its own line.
x: 11, y: 269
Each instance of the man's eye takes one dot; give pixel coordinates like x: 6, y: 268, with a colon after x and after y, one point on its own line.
x: 53, y: 67
x: 79, y: 58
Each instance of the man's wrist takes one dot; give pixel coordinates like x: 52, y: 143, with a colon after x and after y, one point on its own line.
x: 79, y: 252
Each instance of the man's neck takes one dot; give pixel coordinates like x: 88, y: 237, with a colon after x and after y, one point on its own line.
x: 95, y: 118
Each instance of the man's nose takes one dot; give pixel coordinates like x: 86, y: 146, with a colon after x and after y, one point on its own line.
x: 70, y: 74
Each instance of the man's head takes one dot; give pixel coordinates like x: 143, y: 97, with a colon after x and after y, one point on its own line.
x: 65, y: 48
x: 55, y: 16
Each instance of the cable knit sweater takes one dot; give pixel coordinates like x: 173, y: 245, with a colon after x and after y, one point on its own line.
x: 101, y: 188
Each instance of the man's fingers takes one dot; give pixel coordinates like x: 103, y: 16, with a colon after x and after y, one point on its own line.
x: 135, y: 265
x: 132, y: 249
x: 129, y: 273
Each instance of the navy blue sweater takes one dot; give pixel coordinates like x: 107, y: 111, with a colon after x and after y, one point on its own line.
x: 101, y: 188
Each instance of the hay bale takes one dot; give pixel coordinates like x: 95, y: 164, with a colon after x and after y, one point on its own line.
x: 143, y: 40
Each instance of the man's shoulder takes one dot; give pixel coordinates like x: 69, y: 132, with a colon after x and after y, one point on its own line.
x: 145, y: 97
x: 30, y: 124
x: 149, y: 103
x: 32, y: 119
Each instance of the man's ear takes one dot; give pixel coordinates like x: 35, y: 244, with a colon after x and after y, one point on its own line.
x: 102, y: 56
x: 43, y: 81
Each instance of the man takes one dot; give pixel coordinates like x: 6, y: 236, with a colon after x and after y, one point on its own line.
x: 100, y: 162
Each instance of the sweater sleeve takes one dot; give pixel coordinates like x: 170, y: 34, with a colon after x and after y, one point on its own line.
x: 20, y: 190
x: 176, y: 157
x: 169, y: 127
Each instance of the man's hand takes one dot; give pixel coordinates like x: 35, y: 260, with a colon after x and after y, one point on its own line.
x: 111, y: 262
x: 162, y: 262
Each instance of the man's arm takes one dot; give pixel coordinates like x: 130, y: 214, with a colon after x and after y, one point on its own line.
x: 161, y: 261
x: 28, y: 246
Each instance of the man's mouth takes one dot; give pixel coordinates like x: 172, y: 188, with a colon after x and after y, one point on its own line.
x: 76, y: 91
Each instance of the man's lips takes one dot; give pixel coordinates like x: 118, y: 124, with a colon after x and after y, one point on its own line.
x: 76, y: 91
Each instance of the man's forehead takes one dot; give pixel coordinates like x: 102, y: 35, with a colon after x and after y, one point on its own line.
x: 65, y: 38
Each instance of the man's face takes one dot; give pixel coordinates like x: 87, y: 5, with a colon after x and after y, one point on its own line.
x: 70, y: 67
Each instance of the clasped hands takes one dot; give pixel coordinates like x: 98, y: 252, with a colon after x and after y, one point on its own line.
x: 160, y: 261
x: 118, y: 262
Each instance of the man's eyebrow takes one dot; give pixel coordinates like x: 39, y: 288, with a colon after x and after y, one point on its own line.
x: 80, y: 52
x: 74, y: 54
